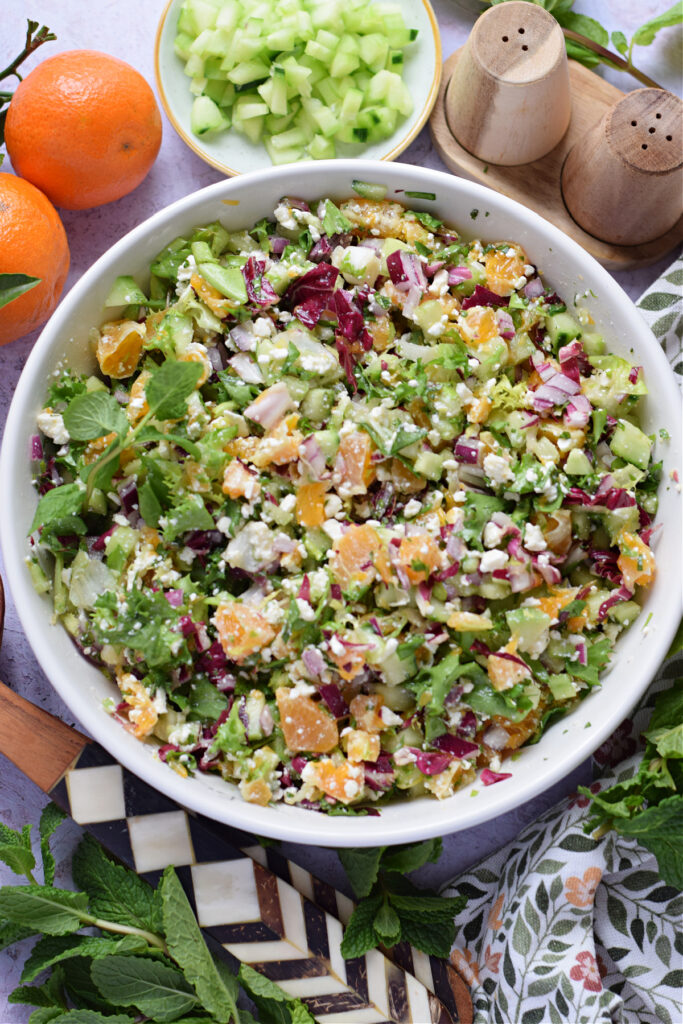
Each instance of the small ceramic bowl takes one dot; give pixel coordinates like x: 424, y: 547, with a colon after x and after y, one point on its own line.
x: 233, y: 153
x: 239, y: 203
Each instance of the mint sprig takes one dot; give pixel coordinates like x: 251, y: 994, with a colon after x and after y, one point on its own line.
x: 649, y: 806
x: 148, y: 959
x: 390, y: 908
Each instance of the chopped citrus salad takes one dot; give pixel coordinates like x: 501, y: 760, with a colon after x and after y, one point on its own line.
x: 354, y: 510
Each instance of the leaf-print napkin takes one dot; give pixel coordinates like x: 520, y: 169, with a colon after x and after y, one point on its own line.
x: 563, y: 928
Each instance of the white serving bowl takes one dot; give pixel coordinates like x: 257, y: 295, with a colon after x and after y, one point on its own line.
x: 238, y: 203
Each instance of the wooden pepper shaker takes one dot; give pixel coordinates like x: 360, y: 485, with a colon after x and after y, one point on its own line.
x: 508, y: 100
x: 623, y: 180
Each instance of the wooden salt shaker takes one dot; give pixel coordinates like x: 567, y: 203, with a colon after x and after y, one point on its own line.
x: 623, y: 180
x: 508, y: 100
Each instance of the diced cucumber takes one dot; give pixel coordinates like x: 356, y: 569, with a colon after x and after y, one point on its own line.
x: 428, y: 314
x: 368, y: 189
x: 593, y: 344
x: 317, y: 403
x: 578, y: 463
x: 229, y: 281
x: 321, y: 148
x: 429, y: 464
x: 529, y: 626
x: 206, y: 116
x: 125, y: 292
x: 562, y: 328
x: 631, y: 444
x: 328, y: 441
x: 561, y: 686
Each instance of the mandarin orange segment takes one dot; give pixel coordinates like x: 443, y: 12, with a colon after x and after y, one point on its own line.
x: 305, y: 724
x: 343, y: 782
x: 419, y: 556
x: 242, y: 630
x: 479, y: 325
x: 502, y: 271
x: 119, y: 347
x: 349, y: 664
x: 479, y: 409
x: 354, y: 554
x: 142, y: 714
x: 636, y: 562
x: 405, y: 479
x: 365, y: 709
x: 504, y: 673
x: 238, y: 482
x: 310, y: 504
x: 354, y: 461
x: 137, y: 406
x: 243, y: 448
x: 211, y: 297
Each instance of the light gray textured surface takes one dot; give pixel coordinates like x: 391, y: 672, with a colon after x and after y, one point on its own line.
x: 126, y: 28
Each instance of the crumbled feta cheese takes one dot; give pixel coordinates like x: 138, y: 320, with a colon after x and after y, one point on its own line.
x: 498, y: 469
x: 491, y: 560
x: 533, y: 538
x: 52, y: 425
x: 493, y: 534
x: 412, y: 508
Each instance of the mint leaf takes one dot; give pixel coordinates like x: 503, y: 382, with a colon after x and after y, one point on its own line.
x: 52, y: 949
x: 116, y: 893
x: 619, y: 42
x: 42, y: 908
x: 361, y: 866
x: 57, y: 504
x: 188, y: 949
x: 668, y: 709
x: 11, y: 933
x: 433, y: 937
x: 93, y: 415
x: 50, y: 993
x: 92, y: 1017
x: 647, y: 32
x: 273, y: 1003
x: 14, y: 285
x: 45, y: 1014
x: 150, y: 433
x: 170, y: 387
x: 50, y: 819
x: 412, y: 856
x: 359, y: 935
x: 157, y: 990
x: 148, y: 504
x: 660, y: 830
x: 17, y: 858
x: 387, y: 925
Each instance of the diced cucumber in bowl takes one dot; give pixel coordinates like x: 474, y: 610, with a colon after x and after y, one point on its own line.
x: 297, y: 75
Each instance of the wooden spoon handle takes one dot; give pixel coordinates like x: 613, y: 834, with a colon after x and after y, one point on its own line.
x: 256, y: 915
x: 39, y: 744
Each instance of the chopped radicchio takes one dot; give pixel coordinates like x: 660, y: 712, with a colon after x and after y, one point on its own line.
x: 316, y: 282
x: 259, y: 289
x: 484, y: 297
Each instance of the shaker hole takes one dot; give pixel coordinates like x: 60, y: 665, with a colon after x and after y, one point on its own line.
x: 669, y: 138
x: 634, y: 123
x: 505, y: 39
x: 643, y: 146
x: 658, y: 116
x: 652, y: 130
x: 521, y: 31
x: 525, y: 47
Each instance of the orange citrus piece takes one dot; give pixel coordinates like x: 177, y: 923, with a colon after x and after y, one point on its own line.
x: 119, y: 347
x: 365, y: 709
x: 419, y: 556
x: 354, y: 463
x: 502, y: 271
x: 354, y: 554
x: 636, y: 562
x: 242, y: 630
x: 343, y: 782
x: 211, y: 297
x: 305, y: 724
x: 479, y: 325
x: 310, y: 504
x: 238, y: 482
x: 349, y: 664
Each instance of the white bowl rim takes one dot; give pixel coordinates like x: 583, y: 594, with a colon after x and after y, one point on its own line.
x: 287, y: 823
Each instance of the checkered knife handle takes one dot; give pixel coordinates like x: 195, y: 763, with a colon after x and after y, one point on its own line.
x: 247, y: 911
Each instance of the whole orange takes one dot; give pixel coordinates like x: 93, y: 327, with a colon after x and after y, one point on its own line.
x: 32, y: 241
x: 84, y: 127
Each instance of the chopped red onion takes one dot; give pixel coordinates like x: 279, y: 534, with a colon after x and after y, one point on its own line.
x: 430, y: 764
x: 174, y: 597
x: 270, y: 406
x: 405, y: 271
x: 312, y: 454
x: 456, y: 275
x: 412, y: 300
x: 314, y: 662
x: 246, y: 369
x: 534, y: 288
x: 506, y: 327
x: 578, y: 411
x: 278, y: 244
x: 165, y: 750
x: 243, y: 336
x: 305, y: 589
x: 335, y: 592
x: 298, y: 763
x: 489, y: 778
x: 377, y: 777
x: 634, y: 374
x: 550, y: 574
x: 266, y: 721
x: 36, y: 448
x: 431, y: 269
x: 466, y: 450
